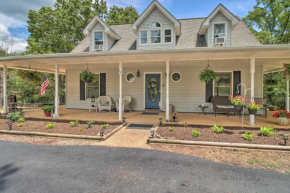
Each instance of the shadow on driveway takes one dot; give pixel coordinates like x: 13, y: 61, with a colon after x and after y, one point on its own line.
x: 6, y: 171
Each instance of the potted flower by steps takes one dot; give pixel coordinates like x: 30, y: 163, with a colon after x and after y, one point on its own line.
x: 238, y: 102
x: 282, y: 117
x: 253, y: 107
x: 273, y: 108
x: 48, y: 110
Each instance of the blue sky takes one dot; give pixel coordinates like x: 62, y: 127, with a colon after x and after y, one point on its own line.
x: 13, y: 14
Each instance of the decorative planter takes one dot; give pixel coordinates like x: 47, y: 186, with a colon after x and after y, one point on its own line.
x: 238, y: 108
x: 253, y: 112
x: 47, y: 113
x: 273, y: 109
x: 283, y: 121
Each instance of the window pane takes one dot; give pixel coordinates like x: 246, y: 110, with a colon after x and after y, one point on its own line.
x: 143, y: 34
x: 167, y: 39
x: 219, y: 28
x: 143, y: 40
x: 155, y: 33
x: 225, y: 80
x: 98, y: 38
x: 155, y: 40
x: 156, y: 24
x: 93, y: 91
x: 168, y: 32
x: 222, y: 91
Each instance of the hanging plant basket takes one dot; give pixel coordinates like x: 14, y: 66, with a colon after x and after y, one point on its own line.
x: 89, y: 77
x: 208, y: 75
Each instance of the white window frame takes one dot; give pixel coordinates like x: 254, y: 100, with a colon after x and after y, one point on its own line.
x: 174, y: 73
x: 156, y: 29
x: 213, y: 34
x: 93, y: 86
x: 140, y: 37
x: 232, y: 81
x: 164, y: 36
x: 103, y: 34
x: 133, y: 79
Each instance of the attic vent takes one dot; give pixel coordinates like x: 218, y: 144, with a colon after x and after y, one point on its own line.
x: 219, y: 41
x: 99, y: 47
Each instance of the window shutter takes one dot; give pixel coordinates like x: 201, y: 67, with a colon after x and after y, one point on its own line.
x: 209, y: 91
x: 103, y: 84
x: 82, y: 90
x: 237, y: 81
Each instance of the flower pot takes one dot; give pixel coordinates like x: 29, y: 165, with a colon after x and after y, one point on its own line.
x: 238, y: 107
x: 47, y: 113
x: 253, y: 112
x: 273, y: 109
x: 283, y: 121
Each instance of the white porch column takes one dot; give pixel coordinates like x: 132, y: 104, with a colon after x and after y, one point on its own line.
x: 287, y: 93
x: 252, y: 71
x: 56, y: 95
x: 167, y: 90
x: 5, y: 99
x: 120, y: 91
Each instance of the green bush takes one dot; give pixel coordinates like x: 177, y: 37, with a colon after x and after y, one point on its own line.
x: 217, y: 129
x: 50, y: 126
x: 90, y: 124
x: 171, y: 128
x: 20, y: 124
x: 248, y: 136
x: 74, y: 123
x: 13, y: 117
x: 267, y: 131
x: 21, y: 120
x: 48, y: 108
x: 195, y: 133
x: 81, y: 129
x: 105, y: 126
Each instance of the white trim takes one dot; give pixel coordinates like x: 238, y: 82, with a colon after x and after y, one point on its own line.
x: 94, y: 33
x: 144, y: 92
x: 232, y: 81
x: 174, y: 73
x: 140, y: 37
x: 132, y: 80
x: 226, y: 35
x: 156, y: 21
x: 155, y: 29
x: 164, y: 36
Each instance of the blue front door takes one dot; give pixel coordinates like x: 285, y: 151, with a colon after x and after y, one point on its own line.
x: 152, y: 91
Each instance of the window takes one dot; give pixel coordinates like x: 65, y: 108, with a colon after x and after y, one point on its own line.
x: 155, y: 25
x: 175, y: 76
x: 168, y: 36
x: 93, y: 89
x: 99, y: 41
x: 130, y: 77
x: 143, y: 37
x: 155, y: 36
x: 223, y: 87
x: 219, y: 32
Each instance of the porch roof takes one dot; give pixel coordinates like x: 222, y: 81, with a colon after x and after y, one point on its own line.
x: 271, y: 57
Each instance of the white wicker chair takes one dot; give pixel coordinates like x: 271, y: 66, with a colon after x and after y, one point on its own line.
x: 126, y: 102
x: 104, y: 103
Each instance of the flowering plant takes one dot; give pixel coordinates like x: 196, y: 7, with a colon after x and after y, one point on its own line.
x: 282, y: 114
x: 252, y: 105
x: 286, y: 70
x: 238, y: 100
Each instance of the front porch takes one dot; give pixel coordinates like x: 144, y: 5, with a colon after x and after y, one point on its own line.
x: 137, y: 117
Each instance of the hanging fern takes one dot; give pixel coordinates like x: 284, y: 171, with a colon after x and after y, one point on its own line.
x: 89, y: 77
x: 208, y: 75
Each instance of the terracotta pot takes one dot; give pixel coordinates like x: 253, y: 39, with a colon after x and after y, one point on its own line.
x: 47, y: 113
x: 273, y: 109
x: 283, y: 121
x: 253, y: 112
x: 238, y: 107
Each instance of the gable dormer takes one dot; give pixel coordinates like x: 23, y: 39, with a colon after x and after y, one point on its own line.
x: 101, y: 36
x: 156, y: 28
x: 217, y: 27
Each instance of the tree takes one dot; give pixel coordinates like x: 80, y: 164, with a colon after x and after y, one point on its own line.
x: 6, y: 45
x: 270, y: 21
x: 120, y: 15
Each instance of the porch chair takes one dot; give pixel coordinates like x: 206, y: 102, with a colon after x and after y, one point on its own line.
x: 104, y: 103
x: 126, y: 102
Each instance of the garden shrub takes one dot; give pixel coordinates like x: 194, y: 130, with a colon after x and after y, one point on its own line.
x: 195, y: 133
x: 13, y: 117
x: 21, y: 120
x: 248, y: 136
x: 105, y: 126
x: 90, y: 124
x: 48, y: 108
x: 267, y: 131
x: 217, y: 129
x: 74, y: 123
x: 50, y: 126
x: 171, y: 128
x: 20, y: 124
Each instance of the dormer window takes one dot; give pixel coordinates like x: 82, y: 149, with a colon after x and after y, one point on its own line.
x: 219, y: 35
x: 155, y: 36
x: 156, y: 25
x: 99, y: 40
x: 144, y: 37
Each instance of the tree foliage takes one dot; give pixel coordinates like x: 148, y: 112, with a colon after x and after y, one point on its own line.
x: 120, y: 15
x: 270, y: 21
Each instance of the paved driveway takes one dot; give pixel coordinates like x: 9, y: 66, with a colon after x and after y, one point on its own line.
x: 33, y: 169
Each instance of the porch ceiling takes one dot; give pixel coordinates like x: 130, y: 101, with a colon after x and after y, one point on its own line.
x: 271, y: 57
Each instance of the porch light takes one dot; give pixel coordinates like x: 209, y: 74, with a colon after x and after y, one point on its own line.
x: 138, y: 74
x: 160, y: 121
x: 10, y: 125
x: 102, y: 132
x: 285, y: 137
x: 93, y: 99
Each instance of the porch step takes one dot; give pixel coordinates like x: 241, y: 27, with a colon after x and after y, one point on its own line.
x: 151, y: 112
x: 140, y: 126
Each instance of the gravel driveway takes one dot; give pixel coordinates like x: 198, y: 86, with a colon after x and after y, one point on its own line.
x: 37, y: 168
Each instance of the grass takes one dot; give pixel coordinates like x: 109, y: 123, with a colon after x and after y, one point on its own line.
x: 251, y: 161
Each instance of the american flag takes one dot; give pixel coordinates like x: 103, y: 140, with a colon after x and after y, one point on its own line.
x: 45, y: 84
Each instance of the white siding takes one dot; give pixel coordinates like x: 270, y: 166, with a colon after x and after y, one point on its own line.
x: 156, y: 15
x: 107, y: 40
x: 219, y: 18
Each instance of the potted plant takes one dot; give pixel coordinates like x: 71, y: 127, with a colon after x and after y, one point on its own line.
x: 208, y: 75
x: 273, y: 108
x: 48, y: 110
x: 282, y: 117
x: 238, y: 102
x: 88, y: 77
x: 253, y: 107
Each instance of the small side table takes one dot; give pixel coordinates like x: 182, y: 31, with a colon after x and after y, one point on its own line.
x: 203, y: 107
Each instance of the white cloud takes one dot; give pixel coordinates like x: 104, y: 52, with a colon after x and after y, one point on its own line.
x: 3, y: 30
x: 19, y: 45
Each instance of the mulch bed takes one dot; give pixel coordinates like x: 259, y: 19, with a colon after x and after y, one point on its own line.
x: 228, y: 136
x: 60, y: 128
